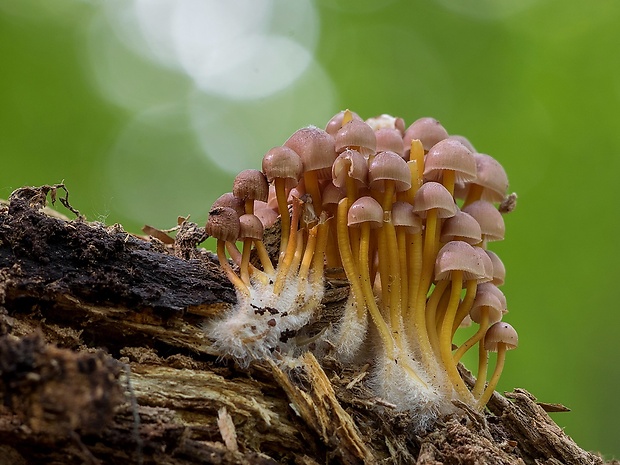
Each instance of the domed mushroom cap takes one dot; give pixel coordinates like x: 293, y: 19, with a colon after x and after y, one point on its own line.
x: 389, y: 139
x: 499, y: 270
x: 335, y: 123
x: 463, y: 140
x: 386, y: 121
x: 250, y: 227
x: 450, y: 154
x: 223, y: 224
x: 356, y: 134
x: 492, y: 304
x: 331, y: 195
x: 501, y: 332
x: 350, y: 163
x: 462, y: 225
x: 404, y: 216
x: 365, y: 210
x: 489, y: 218
x: 267, y: 215
x: 388, y: 166
x: 434, y: 195
x: 229, y: 200
x: 283, y: 162
x: 458, y: 256
x: 252, y: 185
x: 490, y: 288
x: 428, y: 130
x: 315, y: 148
x: 492, y: 177
x: 486, y: 264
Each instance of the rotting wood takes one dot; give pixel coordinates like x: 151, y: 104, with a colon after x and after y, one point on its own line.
x: 103, y: 360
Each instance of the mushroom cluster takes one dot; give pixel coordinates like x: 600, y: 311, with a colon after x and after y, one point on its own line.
x: 406, y: 214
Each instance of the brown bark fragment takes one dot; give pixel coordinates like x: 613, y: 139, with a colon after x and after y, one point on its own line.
x: 103, y: 360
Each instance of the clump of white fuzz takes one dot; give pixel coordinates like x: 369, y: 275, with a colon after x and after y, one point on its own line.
x: 265, y: 323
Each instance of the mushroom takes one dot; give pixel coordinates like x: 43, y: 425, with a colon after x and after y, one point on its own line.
x: 489, y: 218
x: 461, y: 227
x: 251, y: 232
x: 486, y: 310
x: 433, y: 202
x: 251, y: 185
x: 427, y: 130
x: 490, y: 184
x: 283, y: 166
x: 223, y: 224
x: 408, y: 228
x: 456, y: 262
x: 390, y: 139
x: 388, y: 173
x: 336, y: 122
x: 317, y: 152
x: 449, y: 162
x: 499, y: 338
x: 356, y: 135
x: 499, y: 270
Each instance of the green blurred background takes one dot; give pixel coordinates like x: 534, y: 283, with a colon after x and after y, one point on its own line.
x: 147, y: 108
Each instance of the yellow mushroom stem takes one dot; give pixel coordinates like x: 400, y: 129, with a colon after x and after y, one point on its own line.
x: 388, y: 253
x: 450, y: 316
x: 419, y: 317
x: 299, y: 252
x: 448, y: 180
x: 263, y: 256
x: 414, y: 270
x: 417, y: 155
x: 466, y: 304
x: 394, y: 279
x: 249, y: 206
x: 401, y: 242
x: 354, y: 233
x: 285, y: 219
x: 483, y: 363
x: 322, y: 239
x: 289, y: 254
x: 429, y: 252
x: 348, y: 263
x: 234, y: 253
x: 474, y: 193
x: 469, y: 343
x: 332, y: 255
x: 409, y: 194
x: 347, y: 117
x: 360, y: 278
x: 306, y: 261
x: 445, y: 336
x: 230, y: 274
x: 431, y: 314
x: 375, y: 313
x: 499, y: 366
x: 245, y: 261
x: 311, y: 181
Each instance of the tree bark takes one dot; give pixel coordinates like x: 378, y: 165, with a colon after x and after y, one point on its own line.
x: 103, y: 360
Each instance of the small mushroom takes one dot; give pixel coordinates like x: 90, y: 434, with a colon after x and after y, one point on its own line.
x: 491, y: 182
x: 251, y: 185
x: 283, y: 166
x: 317, y: 152
x: 427, y: 130
x: 223, y: 224
x: 499, y: 338
x: 449, y: 162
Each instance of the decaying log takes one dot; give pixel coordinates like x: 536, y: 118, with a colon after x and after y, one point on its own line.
x: 103, y: 360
